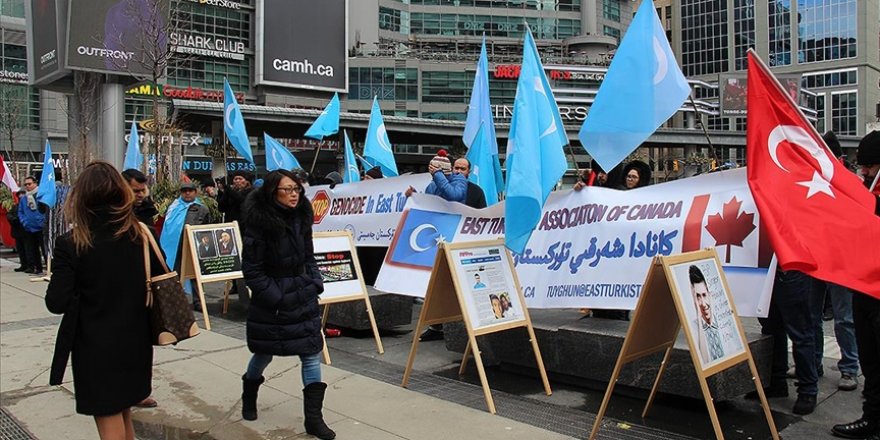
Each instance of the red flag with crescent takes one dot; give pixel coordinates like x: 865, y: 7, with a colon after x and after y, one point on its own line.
x: 819, y: 215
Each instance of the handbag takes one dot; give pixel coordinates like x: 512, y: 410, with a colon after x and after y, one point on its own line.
x: 171, y: 314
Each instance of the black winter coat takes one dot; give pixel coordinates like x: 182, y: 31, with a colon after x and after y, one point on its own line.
x: 106, y: 324
x: 279, y: 267
x: 230, y: 202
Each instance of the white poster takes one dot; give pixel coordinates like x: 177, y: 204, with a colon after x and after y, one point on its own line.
x: 485, y: 279
x: 710, y: 319
x: 335, y: 258
x: 369, y: 209
x: 592, y: 248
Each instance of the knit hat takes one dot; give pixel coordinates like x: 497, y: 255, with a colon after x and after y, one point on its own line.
x: 441, y: 160
x: 375, y: 173
x: 869, y: 149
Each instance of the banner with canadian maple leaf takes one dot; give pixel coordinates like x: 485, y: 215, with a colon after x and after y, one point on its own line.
x: 592, y: 248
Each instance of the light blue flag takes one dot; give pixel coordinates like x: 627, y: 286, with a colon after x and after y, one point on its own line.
x: 377, y: 147
x: 351, y: 174
x: 482, y: 168
x: 643, y: 88
x: 277, y: 156
x: 233, y: 124
x: 327, y: 122
x: 480, y: 112
x: 46, y: 191
x: 535, y: 158
x: 172, y: 228
x: 133, y: 156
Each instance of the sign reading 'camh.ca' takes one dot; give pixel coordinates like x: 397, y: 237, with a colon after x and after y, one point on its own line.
x: 319, y: 58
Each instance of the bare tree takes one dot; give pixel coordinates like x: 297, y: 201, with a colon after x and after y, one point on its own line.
x: 13, y: 115
x: 83, y: 109
x: 154, y: 44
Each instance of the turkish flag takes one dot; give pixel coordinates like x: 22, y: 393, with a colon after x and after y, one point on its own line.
x: 819, y: 215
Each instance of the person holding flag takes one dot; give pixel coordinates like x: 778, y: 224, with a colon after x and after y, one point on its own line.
x: 186, y: 210
x: 866, y: 310
x: 31, y: 215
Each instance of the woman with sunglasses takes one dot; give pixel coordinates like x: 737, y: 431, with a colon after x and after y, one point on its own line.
x: 279, y: 267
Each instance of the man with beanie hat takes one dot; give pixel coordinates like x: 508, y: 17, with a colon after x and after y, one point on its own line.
x: 230, y: 200
x: 866, y: 315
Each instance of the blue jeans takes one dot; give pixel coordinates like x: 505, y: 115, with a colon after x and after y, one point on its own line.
x: 844, y: 328
x: 311, y: 367
x: 793, y: 293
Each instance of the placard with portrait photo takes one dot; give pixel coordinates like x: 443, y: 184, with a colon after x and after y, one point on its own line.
x: 706, y: 304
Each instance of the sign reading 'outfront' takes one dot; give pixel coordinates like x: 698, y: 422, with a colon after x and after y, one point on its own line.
x: 302, y: 44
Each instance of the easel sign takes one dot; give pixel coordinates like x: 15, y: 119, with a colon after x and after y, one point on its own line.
x: 211, y: 253
x: 343, y: 281
x: 687, y: 288
x: 475, y: 282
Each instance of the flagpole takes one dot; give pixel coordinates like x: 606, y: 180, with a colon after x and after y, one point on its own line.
x: 315, y: 159
x: 705, y: 132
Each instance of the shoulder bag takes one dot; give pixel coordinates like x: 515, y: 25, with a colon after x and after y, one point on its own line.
x: 171, y: 314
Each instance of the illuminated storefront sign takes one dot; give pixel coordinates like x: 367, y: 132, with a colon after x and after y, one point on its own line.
x: 172, y: 92
x: 208, y: 46
x: 511, y: 71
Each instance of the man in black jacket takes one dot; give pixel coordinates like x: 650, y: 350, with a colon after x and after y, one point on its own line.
x: 231, y: 199
x: 144, y: 207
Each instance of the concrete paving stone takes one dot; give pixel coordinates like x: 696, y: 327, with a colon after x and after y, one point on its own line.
x: 21, y: 300
x: 353, y: 429
x: 206, y: 342
x: 398, y: 408
x: 25, y: 380
x: 27, y: 350
x: 50, y: 413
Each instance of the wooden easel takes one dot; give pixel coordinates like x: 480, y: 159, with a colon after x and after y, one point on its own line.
x: 343, y: 241
x: 658, y: 318
x: 445, y: 301
x: 190, y: 268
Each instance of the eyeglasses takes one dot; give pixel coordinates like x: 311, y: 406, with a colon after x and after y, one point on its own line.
x: 288, y: 189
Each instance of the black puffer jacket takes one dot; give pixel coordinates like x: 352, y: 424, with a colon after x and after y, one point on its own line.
x: 279, y: 267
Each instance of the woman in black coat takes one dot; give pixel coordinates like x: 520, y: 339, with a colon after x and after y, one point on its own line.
x: 98, y: 283
x: 279, y: 266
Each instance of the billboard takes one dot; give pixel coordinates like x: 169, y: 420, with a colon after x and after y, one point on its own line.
x: 113, y: 36
x: 302, y: 44
x: 732, y: 90
x: 46, y: 20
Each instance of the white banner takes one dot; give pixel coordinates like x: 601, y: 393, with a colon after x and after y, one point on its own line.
x: 369, y: 209
x: 593, y: 247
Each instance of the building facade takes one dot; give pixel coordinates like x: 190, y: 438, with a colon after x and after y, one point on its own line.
x: 418, y: 57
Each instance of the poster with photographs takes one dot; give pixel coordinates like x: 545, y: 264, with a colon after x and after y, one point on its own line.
x: 486, y: 283
x: 706, y: 305
x: 217, y: 249
x: 335, y: 256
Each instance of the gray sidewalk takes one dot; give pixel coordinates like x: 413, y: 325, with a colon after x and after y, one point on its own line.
x: 198, y: 385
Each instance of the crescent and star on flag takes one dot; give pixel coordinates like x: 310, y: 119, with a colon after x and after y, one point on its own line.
x: 798, y: 136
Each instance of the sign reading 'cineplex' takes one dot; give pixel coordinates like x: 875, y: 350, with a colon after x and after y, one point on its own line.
x: 208, y: 46
x: 171, y: 92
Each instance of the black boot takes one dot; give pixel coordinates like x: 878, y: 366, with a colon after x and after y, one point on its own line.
x: 249, y: 397
x: 313, y: 400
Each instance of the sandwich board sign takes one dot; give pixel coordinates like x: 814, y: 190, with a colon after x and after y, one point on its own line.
x: 343, y: 281
x: 687, y: 291
x: 211, y: 253
x: 475, y: 282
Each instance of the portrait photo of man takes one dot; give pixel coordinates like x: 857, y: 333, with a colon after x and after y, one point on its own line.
x: 706, y: 329
x: 478, y: 283
x: 225, y: 242
x: 206, y: 246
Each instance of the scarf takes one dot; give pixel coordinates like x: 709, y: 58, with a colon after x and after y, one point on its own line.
x: 32, y: 199
x: 173, y: 227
